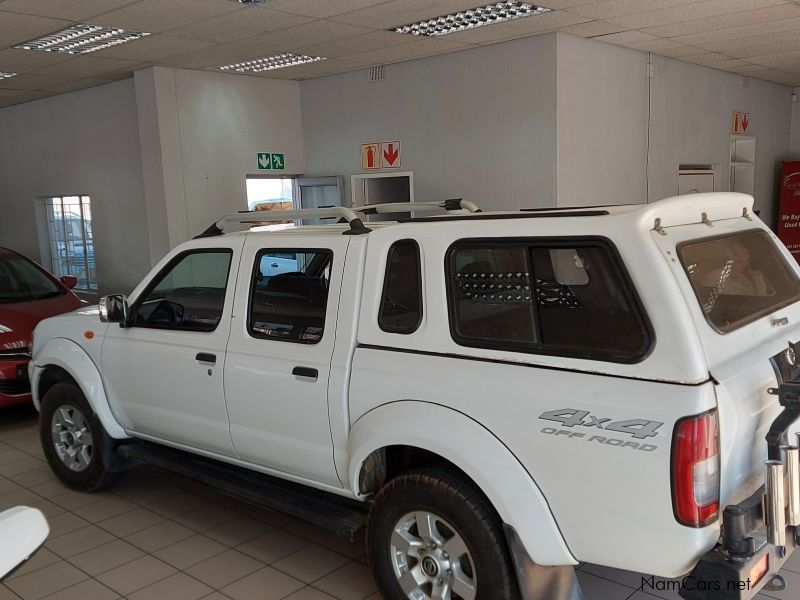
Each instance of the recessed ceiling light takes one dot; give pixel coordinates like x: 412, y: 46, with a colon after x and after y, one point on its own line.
x: 6, y: 75
x: 82, y: 39
x: 276, y: 61
x: 475, y: 17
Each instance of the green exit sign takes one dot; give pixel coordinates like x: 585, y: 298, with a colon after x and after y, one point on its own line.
x: 271, y: 161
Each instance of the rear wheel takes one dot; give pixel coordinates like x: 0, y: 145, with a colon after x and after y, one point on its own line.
x: 73, y: 440
x: 433, y: 536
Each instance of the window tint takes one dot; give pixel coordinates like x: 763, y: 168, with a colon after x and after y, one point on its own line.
x: 21, y: 281
x: 189, y: 294
x: 544, y: 299
x: 401, y: 304
x: 738, y: 278
x: 290, y: 294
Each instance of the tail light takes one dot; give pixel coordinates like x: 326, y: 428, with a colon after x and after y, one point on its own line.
x: 695, y: 469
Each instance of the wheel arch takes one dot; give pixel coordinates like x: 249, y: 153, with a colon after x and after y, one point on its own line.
x: 426, y: 431
x: 62, y: 360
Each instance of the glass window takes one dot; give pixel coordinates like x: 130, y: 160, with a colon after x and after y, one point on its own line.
x: 290, y: 294
x: 401, y: 304
x: 22, y: 281
x: 738, y: 278
x: 553, y: 299
x: 69, y: 223
x: 189, y: 294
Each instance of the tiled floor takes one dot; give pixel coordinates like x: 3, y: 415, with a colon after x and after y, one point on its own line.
x: 154, y: 537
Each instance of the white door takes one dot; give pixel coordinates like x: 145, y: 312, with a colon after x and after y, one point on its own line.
x: 163, y: 374
x: 279, y: 354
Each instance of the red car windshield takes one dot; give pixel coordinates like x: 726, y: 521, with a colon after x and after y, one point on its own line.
x: 22, y: 281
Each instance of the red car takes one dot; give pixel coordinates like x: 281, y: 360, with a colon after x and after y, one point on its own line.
x: 28, y: 294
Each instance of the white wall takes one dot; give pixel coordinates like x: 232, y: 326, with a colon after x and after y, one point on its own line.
x: 691, y: 113
x: 201, y: 132
x: 796, y: 127
x: 478, y: 124
x: 602, y: 123
x: 84, y: 142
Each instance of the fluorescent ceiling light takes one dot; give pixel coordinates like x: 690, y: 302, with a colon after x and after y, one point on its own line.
x: 5, y: 76
x: 249, y: 1
x: 475, y: 17
x: 276, y: 61
x: 82, y: 39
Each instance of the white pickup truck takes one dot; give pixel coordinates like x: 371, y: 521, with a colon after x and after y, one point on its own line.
x: 497, y: 395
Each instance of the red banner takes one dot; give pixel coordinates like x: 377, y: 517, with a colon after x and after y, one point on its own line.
x: 789, y: 211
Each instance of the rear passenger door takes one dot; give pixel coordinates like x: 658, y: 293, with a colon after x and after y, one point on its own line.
x: 279, y: 354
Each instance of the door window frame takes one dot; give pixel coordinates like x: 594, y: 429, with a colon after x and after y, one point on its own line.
x: 385, y: 292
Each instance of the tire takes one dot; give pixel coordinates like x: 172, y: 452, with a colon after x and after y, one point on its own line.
x: 73, y: 440
x: 460, y: 551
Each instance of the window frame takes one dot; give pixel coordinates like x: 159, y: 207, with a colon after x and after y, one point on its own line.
x: 156, y: 279
x: 390, y: 328
x: 84, y: 201
x: 732, y: 236
x: 251, y: 289
x: 538, y: 348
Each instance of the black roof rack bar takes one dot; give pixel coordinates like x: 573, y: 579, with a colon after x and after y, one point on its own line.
x: 573, y: 208
x: 404, y: 207
x: 493, y: 216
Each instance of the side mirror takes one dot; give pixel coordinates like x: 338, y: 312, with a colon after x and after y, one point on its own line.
x: 114, y: 309
x: 22, y: 530
x: 69, y: 280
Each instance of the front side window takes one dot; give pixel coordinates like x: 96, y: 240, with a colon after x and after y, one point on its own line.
x: 401, y: 303
x: 547, y: 298
x: 22, y: 281
x: 738, y: 278
x: 289, y: 295
x: 69, y: 224
x: 189, y: 294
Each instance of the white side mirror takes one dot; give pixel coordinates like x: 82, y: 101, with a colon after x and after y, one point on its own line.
x: 22, y: 530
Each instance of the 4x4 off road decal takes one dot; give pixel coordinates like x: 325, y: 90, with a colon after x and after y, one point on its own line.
x: 640, y: 429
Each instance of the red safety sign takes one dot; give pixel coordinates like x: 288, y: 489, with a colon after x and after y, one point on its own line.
x: 370, y: 156
x: 789, y: 210
x: 390, y: 155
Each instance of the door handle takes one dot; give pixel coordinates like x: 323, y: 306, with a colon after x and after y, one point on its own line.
x: 305, y: 372
x: 206, y: 357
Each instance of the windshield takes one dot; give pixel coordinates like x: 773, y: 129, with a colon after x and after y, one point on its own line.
x: 21, y: 281
x: 738, y: 278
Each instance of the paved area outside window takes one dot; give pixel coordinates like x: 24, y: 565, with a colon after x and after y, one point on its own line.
x: 155, y: 536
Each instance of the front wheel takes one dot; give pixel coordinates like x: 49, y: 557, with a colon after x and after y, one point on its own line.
x: 73, y: 439
x: 433, y: 536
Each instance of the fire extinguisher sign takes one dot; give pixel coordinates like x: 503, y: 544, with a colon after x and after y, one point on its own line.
x: 371, y: 156
x: 789, y: 211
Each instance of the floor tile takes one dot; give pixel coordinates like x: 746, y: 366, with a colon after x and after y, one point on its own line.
x: 106, y: 557
x: 80, y: 540
x: 64, y: 523
x: 7, y: 594
x: 107, y: 508
x: 176, y: 504
x: 351, y: 582
x: 7, y: 486
x: 40, y: 474
x: 86, y: 590
x: 136, y: 575
x: 10, y: 456
x: 238, y: 531
x: 18, y: 497
x: 266, y: 584
x: 50, y: 488
x: 72, y: 500
x: 339, y: 544
x: 49, y: 510
x: 224, y: 568
x: 24, y: 465
x: 309, y: 593
x: 273, y: 546
x: 311, y: 563
x: 596, y: 588
x: 130, y: 522
x: 190, y: 551
x: 204, y: 518
x: 305, y: 530
x: 34, y: 585
x: 176, y: 587
x: 792, y: 587
x: 159, y: 536
x: 39, y: 559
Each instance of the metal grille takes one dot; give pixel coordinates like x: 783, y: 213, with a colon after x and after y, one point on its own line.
x: 69, y: 223
x: 376, y: 73
x: 15, y: 387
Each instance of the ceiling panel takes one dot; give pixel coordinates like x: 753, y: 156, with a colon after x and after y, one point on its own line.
x: 218, y: 54
x: 401, y: 12
x: 322, y: 8
x: 156, y: 16
x: 417, y: 49
x: 769, y: 16
x: 70, y: 10
x: 688, y: 12
x: 75, y: 84
x: 81, y: 67
x: 357, y: 44
x: 317, y: 69
x: 593, y: 28
x: 616, y: 8
x: 517, y: 28
x: 240, y: 24
x: 315, y: 32
x: 735, y: 34
x: 16, y: 28
x: 152, y: 47
x: 20, y: 61
x: 31, y: 81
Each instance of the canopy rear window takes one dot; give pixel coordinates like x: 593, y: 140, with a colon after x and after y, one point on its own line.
x: 738, y: 278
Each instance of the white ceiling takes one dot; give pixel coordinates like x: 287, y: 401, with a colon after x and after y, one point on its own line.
x: 757, y: 38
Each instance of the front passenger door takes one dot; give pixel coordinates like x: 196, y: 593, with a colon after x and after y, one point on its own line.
x: 163, y: 373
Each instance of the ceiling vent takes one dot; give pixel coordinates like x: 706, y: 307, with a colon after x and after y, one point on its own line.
x: 376, y: 73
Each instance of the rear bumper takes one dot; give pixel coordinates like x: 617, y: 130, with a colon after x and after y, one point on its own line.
x: 15, y: 387
x: 734, y: 569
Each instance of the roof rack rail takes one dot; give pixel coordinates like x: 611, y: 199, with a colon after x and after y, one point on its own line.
x: 405, y: 207
x: 242, y: 221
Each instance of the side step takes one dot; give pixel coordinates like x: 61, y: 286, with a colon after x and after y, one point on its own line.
x: 343, y: 516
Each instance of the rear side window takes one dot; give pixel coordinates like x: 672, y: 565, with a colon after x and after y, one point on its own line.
x: 289, y: 295
x: 401, y: 303
x: 738, y: 278
x: 562, y: 298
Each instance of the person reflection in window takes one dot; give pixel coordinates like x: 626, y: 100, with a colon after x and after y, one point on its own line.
x: 738, y: 277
